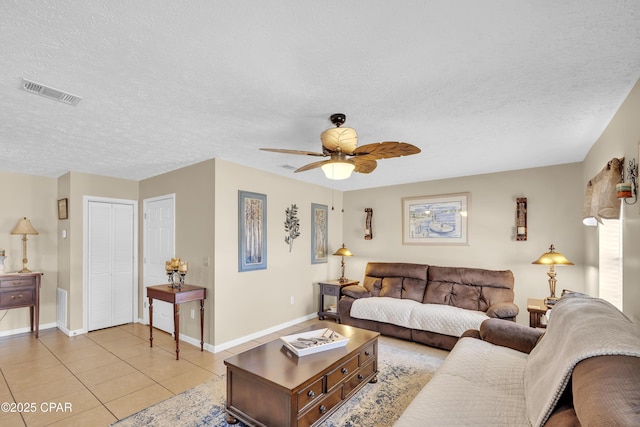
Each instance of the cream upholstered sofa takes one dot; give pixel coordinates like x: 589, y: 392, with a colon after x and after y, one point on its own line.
x: 428, y: 304
x: 583, y: 371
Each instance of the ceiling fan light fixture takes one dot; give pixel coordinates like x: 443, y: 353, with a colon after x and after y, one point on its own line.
x: 338, y: 170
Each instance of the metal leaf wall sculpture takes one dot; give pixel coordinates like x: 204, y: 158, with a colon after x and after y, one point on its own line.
x: 291, y: 225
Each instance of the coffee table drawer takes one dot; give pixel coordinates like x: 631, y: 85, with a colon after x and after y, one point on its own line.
x: 368, y: 353
x: 10, y: 282
x: 310, y: 393
x: 357, y: 379
x: 320, y: 408
x: 336, y: 376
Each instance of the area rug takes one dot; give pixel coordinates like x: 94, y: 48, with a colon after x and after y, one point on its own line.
x: 401, y: 375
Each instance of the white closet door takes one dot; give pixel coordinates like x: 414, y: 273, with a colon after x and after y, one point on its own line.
x: 110, y: 264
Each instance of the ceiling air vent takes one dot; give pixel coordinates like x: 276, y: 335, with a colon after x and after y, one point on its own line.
x: 49, y: 92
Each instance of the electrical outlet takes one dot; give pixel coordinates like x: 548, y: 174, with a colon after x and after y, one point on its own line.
x: 292, y: 300
x: 193, y: 313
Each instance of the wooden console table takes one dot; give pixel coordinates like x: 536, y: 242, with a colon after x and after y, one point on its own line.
x: 22, y: 290
x: 175, y: 296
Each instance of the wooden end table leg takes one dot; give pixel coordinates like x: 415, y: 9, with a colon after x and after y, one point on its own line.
x: 150, y: 322
x: 176, y: 328
x: 202, y: 325
x: 231, y: 419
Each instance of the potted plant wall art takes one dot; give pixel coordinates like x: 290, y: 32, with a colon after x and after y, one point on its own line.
x: 291, y: 225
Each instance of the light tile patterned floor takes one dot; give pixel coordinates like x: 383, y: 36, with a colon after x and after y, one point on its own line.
x: 109, y: 374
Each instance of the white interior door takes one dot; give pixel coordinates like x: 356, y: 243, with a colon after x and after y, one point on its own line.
x: 159, y: 246
x: 111, y: 274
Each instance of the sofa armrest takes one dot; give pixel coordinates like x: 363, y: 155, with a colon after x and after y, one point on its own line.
x: 355, y: 291
x: 471, y: 333
x: 503, y: 310
x: 510, y: 334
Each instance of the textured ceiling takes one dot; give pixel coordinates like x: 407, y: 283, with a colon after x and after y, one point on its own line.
x: 479, y: 86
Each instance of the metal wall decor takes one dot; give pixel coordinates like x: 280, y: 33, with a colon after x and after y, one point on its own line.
x: 521, y: 218
x: 291, y: 225
x: 629, y: 189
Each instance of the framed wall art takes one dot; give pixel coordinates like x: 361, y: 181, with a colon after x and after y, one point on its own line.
x: 63, y: 208
x: 252, y: 231
x: 436, y: 220
x: 319, y: 233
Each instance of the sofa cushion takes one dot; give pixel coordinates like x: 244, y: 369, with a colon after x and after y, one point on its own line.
x: 413, y: 289
x: 391, y: 287
x: 443, y: 319
x: 373, y: 285
x: 470, y: 288
x: 478, y: 384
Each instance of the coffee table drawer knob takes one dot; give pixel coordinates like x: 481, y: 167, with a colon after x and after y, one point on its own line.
x: 323, y: 409
x: 367, y: 353
x: 311, y: 393
x: 360, y: 377
x: 345, y: 371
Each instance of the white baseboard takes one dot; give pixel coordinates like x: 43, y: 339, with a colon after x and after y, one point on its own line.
x: 26, y: 329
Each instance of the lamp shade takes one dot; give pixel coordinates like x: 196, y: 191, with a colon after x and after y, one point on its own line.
x: 24, y: 227
x: 343, y: 252
x: 552, y: 258
x: 338, y: 170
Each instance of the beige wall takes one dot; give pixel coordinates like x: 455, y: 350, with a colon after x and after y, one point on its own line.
x: 194, y: 220
x: 75, y: 186
x: 33, y: 197
x: 254, y: 301
x: 554, y: 197
x: 621, y: 138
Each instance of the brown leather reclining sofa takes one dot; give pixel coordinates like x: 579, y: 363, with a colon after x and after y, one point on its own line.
x: 477, y: 289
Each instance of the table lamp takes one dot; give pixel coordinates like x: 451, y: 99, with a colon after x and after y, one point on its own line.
x: 552, y: 258
x: 24, y: 227
x: 343, y: 252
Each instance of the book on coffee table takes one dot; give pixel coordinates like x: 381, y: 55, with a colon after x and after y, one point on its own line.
x: 314, y: 341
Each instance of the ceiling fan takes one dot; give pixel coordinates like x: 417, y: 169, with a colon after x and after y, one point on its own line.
x: 341, y: 145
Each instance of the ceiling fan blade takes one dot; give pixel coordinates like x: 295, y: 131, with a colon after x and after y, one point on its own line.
x: 311, y: 166
x: 385, y: 150
x: 285, y: 151
x: 364, y: 165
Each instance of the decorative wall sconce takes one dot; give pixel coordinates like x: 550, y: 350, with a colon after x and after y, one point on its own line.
x: 368, y: 224
x: 629, y: 189
x: 521, y: 218
x: 176, y: 270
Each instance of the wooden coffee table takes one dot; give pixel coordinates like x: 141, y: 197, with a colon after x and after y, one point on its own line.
x: 270, y: 386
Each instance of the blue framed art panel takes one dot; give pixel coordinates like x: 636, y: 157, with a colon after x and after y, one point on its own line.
x: 319, y: 233
x: 252, y: 231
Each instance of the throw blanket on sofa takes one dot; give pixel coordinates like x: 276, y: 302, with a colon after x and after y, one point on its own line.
x: 440, y: 318
x: 586, y: 327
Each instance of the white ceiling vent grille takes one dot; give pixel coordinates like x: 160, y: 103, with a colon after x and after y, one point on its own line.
x: 49, y: 92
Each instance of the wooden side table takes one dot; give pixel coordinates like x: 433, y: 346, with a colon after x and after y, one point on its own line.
x: 537, y: 309
x: 22, y: 290
x: 331, y: 288
x: 186, y: 293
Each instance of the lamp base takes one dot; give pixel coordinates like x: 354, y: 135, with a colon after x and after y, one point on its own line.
x: 549, y: 301
x: 25, y: 270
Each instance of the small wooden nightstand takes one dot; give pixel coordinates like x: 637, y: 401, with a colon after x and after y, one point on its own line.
x: 331, y: 288
x: 537, y: 309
